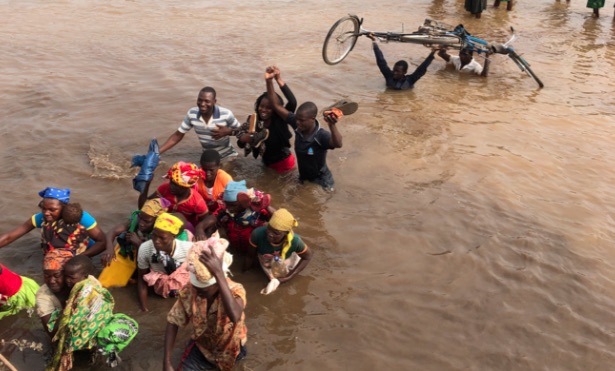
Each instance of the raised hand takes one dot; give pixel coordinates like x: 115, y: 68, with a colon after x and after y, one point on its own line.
x: 269, y: 73
x: 331, y: 119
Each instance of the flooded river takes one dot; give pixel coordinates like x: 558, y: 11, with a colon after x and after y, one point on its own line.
x: 472, y: 224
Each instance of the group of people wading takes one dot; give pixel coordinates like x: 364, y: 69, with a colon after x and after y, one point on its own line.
x: 171, y: 245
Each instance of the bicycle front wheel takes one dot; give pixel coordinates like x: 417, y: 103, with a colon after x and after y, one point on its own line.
x: 522, y: 63
x: 340, y: 40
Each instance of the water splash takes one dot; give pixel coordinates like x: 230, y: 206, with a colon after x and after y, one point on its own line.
x: 108, y: 162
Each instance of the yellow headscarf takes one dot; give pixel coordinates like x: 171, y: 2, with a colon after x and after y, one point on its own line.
x: 153, y: 207
x: 168, y: 223
x: 283, y: 220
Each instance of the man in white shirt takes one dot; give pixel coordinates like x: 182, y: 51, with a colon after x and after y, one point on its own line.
x: 465, y: 63
x: 213, y: 125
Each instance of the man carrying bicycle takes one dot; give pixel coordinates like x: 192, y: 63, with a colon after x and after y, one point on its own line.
x: 397, y: 78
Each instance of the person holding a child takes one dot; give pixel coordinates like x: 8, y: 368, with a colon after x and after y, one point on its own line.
x: 68, y: 228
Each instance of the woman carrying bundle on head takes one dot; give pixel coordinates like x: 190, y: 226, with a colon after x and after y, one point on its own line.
x: 214, y: 305
x: 242, y: 210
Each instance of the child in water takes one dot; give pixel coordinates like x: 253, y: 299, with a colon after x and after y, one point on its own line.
x: 78, y: 269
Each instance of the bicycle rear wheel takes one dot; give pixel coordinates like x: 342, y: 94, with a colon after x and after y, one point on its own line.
x: 522, y: 63
x: 340, y: 40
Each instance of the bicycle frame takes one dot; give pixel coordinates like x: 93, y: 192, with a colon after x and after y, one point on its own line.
x: 465, y: 39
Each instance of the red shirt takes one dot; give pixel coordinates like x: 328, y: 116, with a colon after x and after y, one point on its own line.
x: 193, y: 208
x: 239, y: 228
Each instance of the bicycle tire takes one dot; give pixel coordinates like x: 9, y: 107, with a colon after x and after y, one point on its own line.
x: 513, y: 55
x: 340, y: 40
x: 428, y: 39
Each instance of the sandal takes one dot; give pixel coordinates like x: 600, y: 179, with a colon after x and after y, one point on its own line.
x: 346, y: 106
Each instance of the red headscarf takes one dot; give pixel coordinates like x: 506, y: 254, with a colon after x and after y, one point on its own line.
x: 10, y: 282
x: 184, y: 173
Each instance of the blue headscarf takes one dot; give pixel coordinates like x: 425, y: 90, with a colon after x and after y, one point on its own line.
x: 232, y: 189
x: 63, y: 195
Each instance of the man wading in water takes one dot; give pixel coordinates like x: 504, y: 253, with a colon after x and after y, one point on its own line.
x: 397, y: 78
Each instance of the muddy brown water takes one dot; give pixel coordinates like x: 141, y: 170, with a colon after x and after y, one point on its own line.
x: 471, y: 228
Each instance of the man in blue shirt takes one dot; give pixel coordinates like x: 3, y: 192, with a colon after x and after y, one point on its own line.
x: 312, y: 142
x: 397, y: 78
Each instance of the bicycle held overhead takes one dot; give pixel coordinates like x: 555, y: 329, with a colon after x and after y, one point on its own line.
x: 343, y: 35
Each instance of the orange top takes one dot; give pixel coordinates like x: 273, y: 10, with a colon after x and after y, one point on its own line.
x: 222, y: 178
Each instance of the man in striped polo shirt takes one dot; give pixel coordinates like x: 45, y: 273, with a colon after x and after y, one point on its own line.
x: 213, y: 124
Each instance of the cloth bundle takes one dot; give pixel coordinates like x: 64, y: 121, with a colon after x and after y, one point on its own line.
x: 115, y: 336
x: 200, y: 276
x: 148, y: 164
x: 267, y: 260
x: 164, y: 284
x: 89, y: 309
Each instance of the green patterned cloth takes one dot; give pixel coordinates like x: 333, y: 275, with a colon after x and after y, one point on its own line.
x: 88, y: 322
x: 117, y: 333
x: 595, y: 4
x: 88, y: 308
